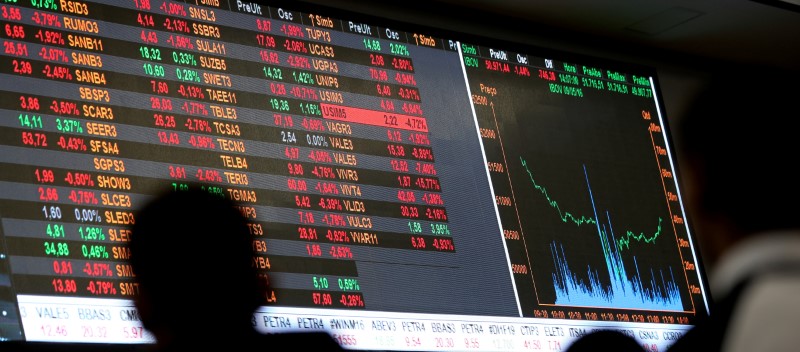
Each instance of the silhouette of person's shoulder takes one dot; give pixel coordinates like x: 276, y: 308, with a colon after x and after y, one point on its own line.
x: 212, y: 229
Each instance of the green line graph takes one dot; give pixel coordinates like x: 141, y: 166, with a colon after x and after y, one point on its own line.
x: 567, y: 217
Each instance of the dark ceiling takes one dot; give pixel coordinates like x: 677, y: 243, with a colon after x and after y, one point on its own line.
x: 739, y: 31
x: 749, y: 34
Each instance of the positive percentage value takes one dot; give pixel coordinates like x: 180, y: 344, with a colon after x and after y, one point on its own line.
x: 95, y: 251
x: 182, y: 58
x: 91, y: 233
x: 69, y: 125
x: 440, y: 229
x: 348, y: 284
x: 185, y: 74
x: 301, y: 76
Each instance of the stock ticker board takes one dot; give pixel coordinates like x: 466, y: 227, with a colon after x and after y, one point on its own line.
x: 405, y: 191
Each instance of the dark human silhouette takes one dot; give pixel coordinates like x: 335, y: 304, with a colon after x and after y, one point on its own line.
x: 192, y: 254
x: 738, y: 150
x: 605, y: 340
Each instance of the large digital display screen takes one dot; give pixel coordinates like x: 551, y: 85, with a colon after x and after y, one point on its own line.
x: 406, y: 188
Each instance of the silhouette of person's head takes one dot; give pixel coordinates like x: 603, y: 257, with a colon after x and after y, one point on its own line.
x: 605, y: 340
x: 738, y: 140
x: 737, y: 143
x: 191, y: 252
